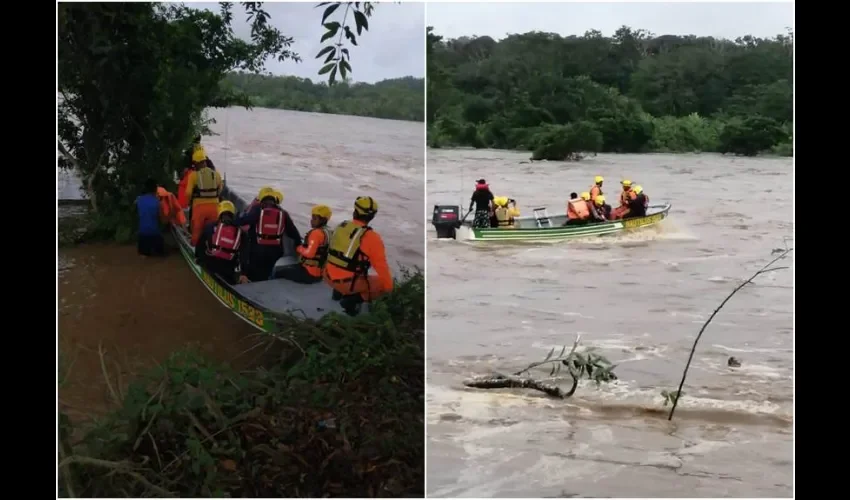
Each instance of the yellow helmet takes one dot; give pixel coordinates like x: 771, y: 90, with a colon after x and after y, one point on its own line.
x: 225, y: 207
x: 323, y: 211
x: 598, y: 179
x: 264, y: 191
x: 637, y: 189
x: 365, y: 205
x: 500, y: 200
x: 626, y: 183
x: 585, y: 196
x: 278, y: 196
x: 599, y: 200
x: 199, y: 155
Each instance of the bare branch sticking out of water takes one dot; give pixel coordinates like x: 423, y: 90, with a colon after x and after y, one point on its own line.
x: 674, y: 397
x: 579, y: 365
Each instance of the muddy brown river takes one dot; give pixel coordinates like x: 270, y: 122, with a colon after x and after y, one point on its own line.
x: 639, y: 299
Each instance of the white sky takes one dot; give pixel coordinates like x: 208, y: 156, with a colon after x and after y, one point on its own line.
x: 719, y: 19
x: 393, y: 47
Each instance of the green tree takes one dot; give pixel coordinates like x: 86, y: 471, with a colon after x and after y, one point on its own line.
x: 135, y: 79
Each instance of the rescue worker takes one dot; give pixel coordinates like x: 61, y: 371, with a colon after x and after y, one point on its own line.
x: 150, y: 240
x: 220, y: 250
x: 503, y: 213
x: 268, y: 223
x: 313, y: 254
x: 604, y: 208
x: 482, y: 200
x: 256, y: 201
x: 203, y: 189
x: 182, y: 199
x: 626, y: 197
x: 170, y: 211
x: 638, y: 206
x: 355, y: 248
x: 596, y: 188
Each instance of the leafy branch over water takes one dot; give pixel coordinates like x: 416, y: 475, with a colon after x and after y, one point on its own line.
x: 579, y: 365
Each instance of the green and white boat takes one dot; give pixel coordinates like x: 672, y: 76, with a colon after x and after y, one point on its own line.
x: 542, y: 227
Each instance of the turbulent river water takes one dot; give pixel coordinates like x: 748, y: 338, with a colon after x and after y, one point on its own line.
x: 144, y: 309
x: 640, y: 299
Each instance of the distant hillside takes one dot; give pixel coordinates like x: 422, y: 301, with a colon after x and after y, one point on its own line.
x: 396, y: 99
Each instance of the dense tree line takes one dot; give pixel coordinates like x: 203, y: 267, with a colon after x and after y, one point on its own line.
x: 395, y: 99
x: 633, y: 92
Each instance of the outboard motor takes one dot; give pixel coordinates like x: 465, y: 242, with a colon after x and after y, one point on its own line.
x: 446, y: 220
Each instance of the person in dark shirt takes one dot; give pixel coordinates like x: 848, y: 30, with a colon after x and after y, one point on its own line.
x: 258, y: 262
x: 482, y: 200
x: 150, y: 240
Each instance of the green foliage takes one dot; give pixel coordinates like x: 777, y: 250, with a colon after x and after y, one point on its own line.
x: 395, y: 99
x: 671, y: 397
x: 586, y: 364
x: 135, y: 79
x: 345, y: 421
x: 535, y: 91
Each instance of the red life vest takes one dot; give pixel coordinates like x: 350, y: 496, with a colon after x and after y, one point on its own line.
x: 225, y: 242
x: 270, y: 226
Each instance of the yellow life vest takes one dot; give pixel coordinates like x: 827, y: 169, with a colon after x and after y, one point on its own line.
x: 344, y: 249
x: 205, y: 185
x: 321, y: 252
x: 503, y: 216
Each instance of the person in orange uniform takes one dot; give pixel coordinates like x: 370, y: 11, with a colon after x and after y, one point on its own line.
x: 314, y: 252
x: 220, y: 248
x: 203, y: 189
x: 626, y: 197
x: 596, y: 188
x: 170, y: 211
x: 354, y: 249
x: 577, y: 210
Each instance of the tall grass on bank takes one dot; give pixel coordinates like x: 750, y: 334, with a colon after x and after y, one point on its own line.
x: 334, y: 407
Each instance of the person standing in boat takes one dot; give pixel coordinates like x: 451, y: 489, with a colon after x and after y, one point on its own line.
x: 596, y: 188
x: 313, y: 254
x: 355, y: 247
x: 482, y: 200
x: 626, y: 197
x: 267, y: 222
x: 640, y: 203
x: 150, y: 237
x: 203, y: 188
x: 220, y: 248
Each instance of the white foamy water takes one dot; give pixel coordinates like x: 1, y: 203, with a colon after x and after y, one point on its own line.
x: 640, y: 300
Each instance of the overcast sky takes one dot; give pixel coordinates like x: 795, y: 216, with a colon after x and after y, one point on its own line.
x: 393, y: 47
x: 719, y: 19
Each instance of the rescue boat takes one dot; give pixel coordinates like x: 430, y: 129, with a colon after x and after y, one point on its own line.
x: 540, y: 226
x: 261, y: 304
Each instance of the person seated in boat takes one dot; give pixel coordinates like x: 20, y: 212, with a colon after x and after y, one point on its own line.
x: 203, y: 188
x: 602, y: 209
x: 505, y: 212
x: 170, y: 211
x: 482, y: 200
x: 578, y: 210
x: 596, y: 188
x: 150, y: 240
x: 221, y: 249
x: 640, y: 203
x: 355, y: 248
x: 268, y: 223
x: 313, y: 253
x: 626, y: 197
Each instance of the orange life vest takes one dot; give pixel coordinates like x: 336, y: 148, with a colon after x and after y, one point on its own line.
x: 626, y: 197
x: 577, y: 209
x: 595, y: 191
x: 226, y: 241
